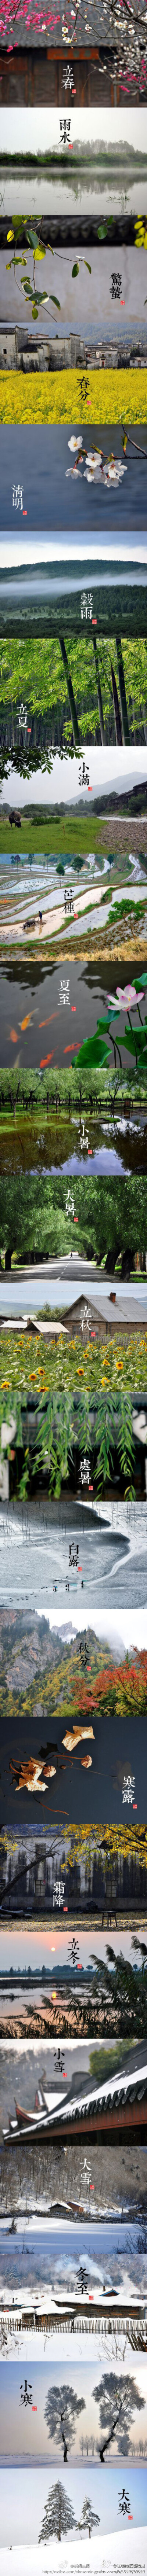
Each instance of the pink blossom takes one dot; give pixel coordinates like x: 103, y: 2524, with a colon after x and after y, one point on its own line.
x: 125, y: 998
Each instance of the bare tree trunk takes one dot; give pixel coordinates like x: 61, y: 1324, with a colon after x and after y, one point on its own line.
x: 70, y: 692
x: 122, y: 691
x: 117, y: 717
x: 109, y: 2436
x: 99, y: 692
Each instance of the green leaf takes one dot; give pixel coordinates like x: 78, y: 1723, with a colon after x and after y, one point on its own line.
x: 101, y: 1025
x: 17, y: 228
x: 86, y: 265
x: 32, y: 237
x: 136, y: 1042
x: 41, y: 298
x: 94, y: 1051
x: 75, y: 270
x: 54, y: 299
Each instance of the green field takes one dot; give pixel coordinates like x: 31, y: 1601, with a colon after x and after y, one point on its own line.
x: 69, y: 834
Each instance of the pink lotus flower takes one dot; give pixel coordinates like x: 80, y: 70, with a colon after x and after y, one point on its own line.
x: 125, y: 999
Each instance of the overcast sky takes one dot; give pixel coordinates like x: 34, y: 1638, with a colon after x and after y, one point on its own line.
x: 33, y: 133
x: 107, y: 770
x: 40, y: 549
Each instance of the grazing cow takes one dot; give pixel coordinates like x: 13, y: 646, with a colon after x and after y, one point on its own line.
x: 14, y: 818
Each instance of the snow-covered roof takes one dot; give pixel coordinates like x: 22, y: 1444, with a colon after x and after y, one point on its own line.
x: 86, y: 2100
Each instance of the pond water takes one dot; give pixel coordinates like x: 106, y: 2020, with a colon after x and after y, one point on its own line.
x: 38, y: 1006
x: 115, y: 1153
x: 105, y: 1158
x: 73, y: 1144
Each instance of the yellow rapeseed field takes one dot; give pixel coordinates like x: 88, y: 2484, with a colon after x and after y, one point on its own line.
x: 57, y: 396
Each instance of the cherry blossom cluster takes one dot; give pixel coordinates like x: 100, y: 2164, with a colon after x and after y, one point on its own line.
x: 32, y: 18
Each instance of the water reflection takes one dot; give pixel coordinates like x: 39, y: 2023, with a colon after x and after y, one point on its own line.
x: 63, y: 1145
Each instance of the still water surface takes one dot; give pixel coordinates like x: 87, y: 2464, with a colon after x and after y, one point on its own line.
x: 46, y: 1014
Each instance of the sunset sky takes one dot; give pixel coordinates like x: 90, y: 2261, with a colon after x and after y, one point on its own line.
x: 34, y: 1945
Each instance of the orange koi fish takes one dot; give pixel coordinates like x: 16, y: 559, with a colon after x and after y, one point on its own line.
x: 46, y: 1024
x: 26, y: 1024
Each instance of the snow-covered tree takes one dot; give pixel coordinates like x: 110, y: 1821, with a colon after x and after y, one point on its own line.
x: 58, y: 2514
x: 61, y: 2412
x: 118, y: 2402
x: 88, y: 2518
